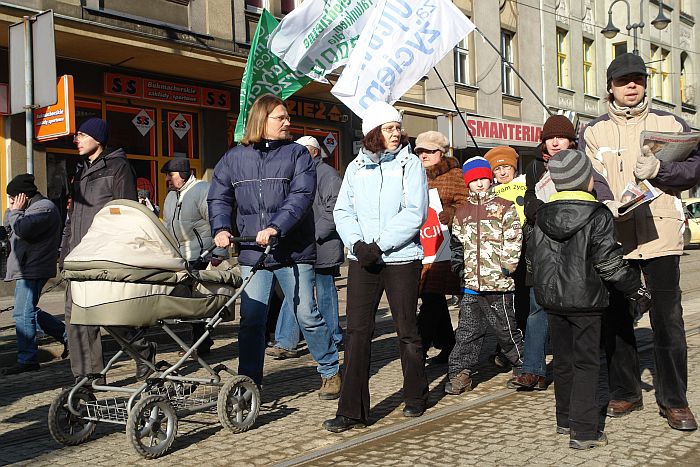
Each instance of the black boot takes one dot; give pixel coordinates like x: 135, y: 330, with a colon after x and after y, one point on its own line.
x: 143, y: 371
x: 340, y: 424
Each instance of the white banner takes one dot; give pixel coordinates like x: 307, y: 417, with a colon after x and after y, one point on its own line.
x: 401, y: 43
x: 434, y: 236
x: 318, y: 36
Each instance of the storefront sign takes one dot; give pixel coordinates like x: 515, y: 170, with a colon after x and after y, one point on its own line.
x: 143, y: 122
x: 57, y: 120
x: 317, y: 110
x: 166, y: 91
x: 4, y: 103
x: 491, y: 131
x: 180, y: 126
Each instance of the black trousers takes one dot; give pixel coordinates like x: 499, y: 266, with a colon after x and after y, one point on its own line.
x: 576, y: 348
x: 662, y: 276
x: 365, y: 288
x: 434, y: 323
x: 85, y: 342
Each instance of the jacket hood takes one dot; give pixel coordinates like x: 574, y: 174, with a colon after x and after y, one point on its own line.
x: 561, y: 219
x: 114, y: 153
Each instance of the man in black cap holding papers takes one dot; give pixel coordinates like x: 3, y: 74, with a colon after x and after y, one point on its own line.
x: 104, y: 176
x: 651, y: 237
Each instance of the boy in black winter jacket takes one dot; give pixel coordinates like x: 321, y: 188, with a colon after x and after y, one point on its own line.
x: 572, y: 254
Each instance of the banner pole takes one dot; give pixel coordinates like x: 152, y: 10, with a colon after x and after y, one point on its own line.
x: 454, y: 102
x: 28, y: 94
x: 510, y: 65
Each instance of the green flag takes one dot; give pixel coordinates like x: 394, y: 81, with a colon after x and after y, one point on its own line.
x: 265, y: 73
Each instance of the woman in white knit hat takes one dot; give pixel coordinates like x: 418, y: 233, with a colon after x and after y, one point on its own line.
x: 382, y: 204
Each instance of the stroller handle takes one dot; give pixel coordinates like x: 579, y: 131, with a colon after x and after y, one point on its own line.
x: 211, y: 249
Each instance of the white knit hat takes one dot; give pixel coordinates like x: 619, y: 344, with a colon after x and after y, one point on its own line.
x: 379, y: 113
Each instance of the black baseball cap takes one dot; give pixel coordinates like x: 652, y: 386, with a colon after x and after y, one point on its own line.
x: 626, y: 64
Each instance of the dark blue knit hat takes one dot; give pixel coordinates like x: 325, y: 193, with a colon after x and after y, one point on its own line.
x: 95, y: 127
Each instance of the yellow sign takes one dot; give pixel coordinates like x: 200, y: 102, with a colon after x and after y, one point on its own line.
x: 515, y: 192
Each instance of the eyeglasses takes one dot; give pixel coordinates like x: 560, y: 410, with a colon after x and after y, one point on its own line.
x: 280, y: 118
x: 420, y: 151
x: 79, y: 135
x: 391, y: 129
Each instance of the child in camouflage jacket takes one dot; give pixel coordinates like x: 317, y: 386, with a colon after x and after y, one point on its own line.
x: 485, y: 243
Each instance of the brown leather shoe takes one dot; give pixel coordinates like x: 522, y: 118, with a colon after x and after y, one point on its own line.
x: 528, y: 381
x: 620, y: 408
x: 679, y: 419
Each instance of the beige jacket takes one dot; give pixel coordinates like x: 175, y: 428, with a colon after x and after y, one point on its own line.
x: 612, y: 142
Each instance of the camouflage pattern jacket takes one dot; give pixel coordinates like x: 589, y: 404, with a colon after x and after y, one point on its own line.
x: 485, y: 243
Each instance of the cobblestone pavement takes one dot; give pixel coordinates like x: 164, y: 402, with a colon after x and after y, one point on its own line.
x: 490, y: 425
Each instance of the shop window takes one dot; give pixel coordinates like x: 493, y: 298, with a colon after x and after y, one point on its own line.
x: 328, y: 139
x: 588, y: 74
x: 563, y: 80
x: 146, y: 176
x: 180, y: 134
x: 132, y: 128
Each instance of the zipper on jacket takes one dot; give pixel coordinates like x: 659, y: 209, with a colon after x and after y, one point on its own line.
x: 478, y: 242
x: 178, y: 209
x: 199, y: 239
x: 262, y: 206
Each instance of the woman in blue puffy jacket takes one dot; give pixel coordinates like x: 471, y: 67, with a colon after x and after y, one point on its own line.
x: 270, y: 181
x: 382, y: 204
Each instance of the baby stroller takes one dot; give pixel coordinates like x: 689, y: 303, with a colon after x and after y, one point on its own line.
x: 128, y: 271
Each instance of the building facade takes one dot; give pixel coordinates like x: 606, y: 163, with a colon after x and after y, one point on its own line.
x: 166, y: 74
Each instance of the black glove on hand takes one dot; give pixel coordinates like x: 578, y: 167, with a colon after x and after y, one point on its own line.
x: 641, y: 300
x: 366, y: 254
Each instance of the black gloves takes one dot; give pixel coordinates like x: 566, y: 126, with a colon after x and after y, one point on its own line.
x: 641, y: 300
x: 366, y: 254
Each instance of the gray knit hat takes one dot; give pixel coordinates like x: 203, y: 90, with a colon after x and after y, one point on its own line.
x: 570, y: 170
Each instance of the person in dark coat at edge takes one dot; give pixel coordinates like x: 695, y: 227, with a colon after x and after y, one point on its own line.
x: 268, y: 183
x: 34, y: 225
x: 574, y: 257
x: 105, y: 175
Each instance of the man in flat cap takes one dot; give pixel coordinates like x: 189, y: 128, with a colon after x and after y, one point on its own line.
x: 104, y: 175
x: 651, y: 237
x: 186, y: 216
x: 34, y: 225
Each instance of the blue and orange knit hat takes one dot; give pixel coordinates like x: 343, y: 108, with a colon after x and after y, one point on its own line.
x: 476, y: 168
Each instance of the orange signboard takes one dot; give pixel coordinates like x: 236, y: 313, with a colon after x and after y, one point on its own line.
x: 57, y: 120
x: 166, y: 91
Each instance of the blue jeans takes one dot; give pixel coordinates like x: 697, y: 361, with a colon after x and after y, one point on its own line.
x: 297, y: 283
x: 536, y: 335
x: 26, y: 314
x: 287, y: 329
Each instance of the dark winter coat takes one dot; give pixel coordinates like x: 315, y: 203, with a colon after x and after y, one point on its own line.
x: 572, y: 253
x: 329, y: 246
x: 446, y: 177
x: 269, y: 184
x: 107, y: 178
x: 34, y: 239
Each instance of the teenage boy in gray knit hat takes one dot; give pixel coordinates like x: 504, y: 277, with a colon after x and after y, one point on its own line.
x: 572, y: 254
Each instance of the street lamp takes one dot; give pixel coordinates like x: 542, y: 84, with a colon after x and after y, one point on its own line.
x: 660, y: 22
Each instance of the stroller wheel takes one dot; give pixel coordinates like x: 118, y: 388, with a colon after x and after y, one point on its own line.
x: 239, y: 404
x: 66, y: 427
x: 152, y: 426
